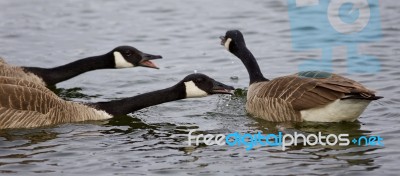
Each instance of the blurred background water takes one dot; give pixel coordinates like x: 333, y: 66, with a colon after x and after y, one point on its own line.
x: 154, y: 140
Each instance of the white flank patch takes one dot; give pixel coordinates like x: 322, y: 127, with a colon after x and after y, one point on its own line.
x: 227, y: 43
x: 120, y: 61
x: 192, y: 91
x: 340, y: 110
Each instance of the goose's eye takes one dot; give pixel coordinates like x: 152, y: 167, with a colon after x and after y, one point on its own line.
x: 198, y: 80
x: 127, y: 53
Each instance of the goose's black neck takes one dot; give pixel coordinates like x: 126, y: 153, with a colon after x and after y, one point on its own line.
x: 52, y: 76
x: 128, y: 105
x: 251, y: 65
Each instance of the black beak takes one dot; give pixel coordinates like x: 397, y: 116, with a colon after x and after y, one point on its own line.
x: 220, y: 88
x: 145, y: 62
x: 223, y: 40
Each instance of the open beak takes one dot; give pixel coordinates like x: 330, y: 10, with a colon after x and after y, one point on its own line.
x: 223, y: 40
x: 220, y: 88
x: 145, y: 62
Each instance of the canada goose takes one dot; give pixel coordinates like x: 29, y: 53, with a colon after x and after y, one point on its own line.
x: 25, y: 104
x: 120, y: 57
x: 304, y: 96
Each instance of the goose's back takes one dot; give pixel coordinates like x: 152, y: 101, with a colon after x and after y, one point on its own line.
x: 18, y: 72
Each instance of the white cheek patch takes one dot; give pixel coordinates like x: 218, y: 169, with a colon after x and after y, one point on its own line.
x: 227, y: 43
x: 120, y: 61
x: 192, y: 91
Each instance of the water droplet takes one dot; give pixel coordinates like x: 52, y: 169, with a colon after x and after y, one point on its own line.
x: 195, y: 71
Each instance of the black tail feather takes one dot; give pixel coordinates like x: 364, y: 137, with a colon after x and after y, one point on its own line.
x: 360, y: 97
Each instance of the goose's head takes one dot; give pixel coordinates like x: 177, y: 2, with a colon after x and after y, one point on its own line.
x: 127, y: 56
x: 233, y: 41
x: 200, y: 85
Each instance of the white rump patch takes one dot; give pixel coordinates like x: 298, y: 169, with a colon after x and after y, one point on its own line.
x: 227, y: 43
x: 120, y: 61
x: 340, y: 110
x: 192, y: 91
x: 103, y: 115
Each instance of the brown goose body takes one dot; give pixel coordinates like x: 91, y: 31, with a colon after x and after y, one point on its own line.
x: 306, y: 96
x: 25, y: 104
x: 299, y: 98
x: 18, y: 72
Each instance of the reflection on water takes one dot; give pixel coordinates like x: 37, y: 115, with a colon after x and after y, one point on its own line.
x: 154, y: 140
x: 71, y: 93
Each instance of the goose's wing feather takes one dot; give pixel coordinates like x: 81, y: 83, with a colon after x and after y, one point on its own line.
x: 24, y: 104
x: 17, y: 72
x: 309, y: 92
x: 13, y: 118
x: 2, y: 61
x: 24, y: 83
